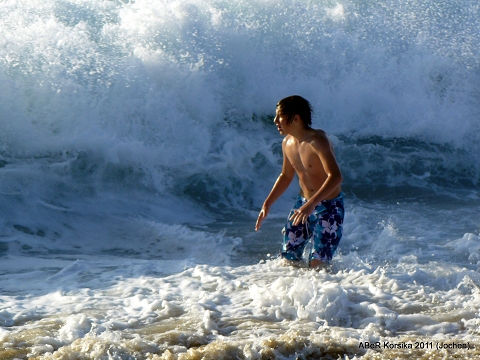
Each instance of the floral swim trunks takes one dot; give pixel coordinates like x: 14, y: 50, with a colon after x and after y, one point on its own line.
x: 323, y: 231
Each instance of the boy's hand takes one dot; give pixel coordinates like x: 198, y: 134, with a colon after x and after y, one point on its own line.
x: 263, y: 214
x: 301, y: 215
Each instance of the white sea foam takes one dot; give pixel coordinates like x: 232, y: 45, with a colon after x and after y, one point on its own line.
x: 205, y: 302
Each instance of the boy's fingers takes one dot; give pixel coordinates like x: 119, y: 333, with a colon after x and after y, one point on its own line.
x: 294, y: 219
x: 259, y: 220
x: 294, y: 215
x: 298, y: 218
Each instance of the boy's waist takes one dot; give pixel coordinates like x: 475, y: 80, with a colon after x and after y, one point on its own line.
x: 336, y: 197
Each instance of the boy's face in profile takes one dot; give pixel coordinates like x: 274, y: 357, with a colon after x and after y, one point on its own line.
x: 281, y: 121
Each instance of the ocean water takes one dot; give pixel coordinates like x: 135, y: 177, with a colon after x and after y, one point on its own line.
x: 137, y: 147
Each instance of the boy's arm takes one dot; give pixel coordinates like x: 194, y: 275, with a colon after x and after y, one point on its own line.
x: 281, y: 184
x: 321, y: 146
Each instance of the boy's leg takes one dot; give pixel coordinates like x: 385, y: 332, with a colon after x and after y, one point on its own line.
x: 294, y: 237
x: 327, y: 231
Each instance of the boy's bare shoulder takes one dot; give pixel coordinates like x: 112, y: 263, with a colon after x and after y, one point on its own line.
x: 319, y: 139
x: 319, y: 133
x: 287, y: 139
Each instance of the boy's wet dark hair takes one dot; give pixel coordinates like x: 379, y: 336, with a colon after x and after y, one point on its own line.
x: 296, y: 105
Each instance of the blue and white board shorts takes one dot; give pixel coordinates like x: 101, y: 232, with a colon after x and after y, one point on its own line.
x: 323, y: 230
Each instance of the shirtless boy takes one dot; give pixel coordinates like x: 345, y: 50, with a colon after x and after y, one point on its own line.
x: 318, y: 212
